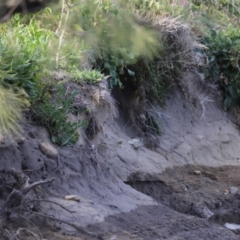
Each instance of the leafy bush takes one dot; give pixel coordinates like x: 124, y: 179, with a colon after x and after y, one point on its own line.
x: 52, y: 112
x: 117, y: 40
x: 89, y: 76
x: 25, y: 61
x: 148, y: 74
x: 223, y: 54
x: 23, y: 50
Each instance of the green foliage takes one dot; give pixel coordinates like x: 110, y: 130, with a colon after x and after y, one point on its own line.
x: 148, y: 75
x: 116, y: 38
x: 113, y: 37
x: 22, y: 51
x: 200, y: 14
x: 25, y: 61
x: 224, y: 53
x: 163, y: 7
x: 52, y: 112
x: 89, y: 76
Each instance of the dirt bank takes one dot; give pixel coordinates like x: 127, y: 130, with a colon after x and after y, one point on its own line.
x: 123, y: 188
x: 110, y: 209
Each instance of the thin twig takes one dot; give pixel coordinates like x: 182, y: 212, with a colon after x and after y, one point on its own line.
x: 60, y: 22
x: 28, y: 231
x: 62, y: 35
x: 35, y: 184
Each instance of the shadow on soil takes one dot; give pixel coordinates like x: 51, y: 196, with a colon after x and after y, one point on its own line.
x: 204, y: 192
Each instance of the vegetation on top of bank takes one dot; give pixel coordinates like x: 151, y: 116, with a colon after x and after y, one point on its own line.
x: 148, y: 43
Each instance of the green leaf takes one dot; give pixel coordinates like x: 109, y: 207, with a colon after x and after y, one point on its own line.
x: 131, y: 56
x: 213, y: 58
x: 233, y: 91
x: 107, y: 65
x: 130, y: 73
x: 53, y: 139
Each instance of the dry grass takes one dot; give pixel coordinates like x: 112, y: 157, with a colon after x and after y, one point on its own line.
x: 95, y: 104
x: 11, y: 106
x: 177, y: 38
x: 179, y: 53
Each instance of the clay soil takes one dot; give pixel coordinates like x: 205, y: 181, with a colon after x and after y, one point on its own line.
x: 182, y: 197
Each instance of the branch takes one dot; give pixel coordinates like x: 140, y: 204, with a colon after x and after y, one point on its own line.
x: 15, y: 198
x: 28, y: 231
x: 35, y: 184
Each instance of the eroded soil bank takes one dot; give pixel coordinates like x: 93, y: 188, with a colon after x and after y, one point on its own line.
x: 110, y: 209
x: 186, y: 187
x: 207, y: 197
x: 194, y: 189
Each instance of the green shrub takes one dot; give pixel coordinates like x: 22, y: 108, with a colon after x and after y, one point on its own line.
x: 89, y: 76
x: 115, y: 37
x: 23, y: 54
x: 23, y: 49
x: 224, y: 54
x: 52, y: 112
x: 25, y: 63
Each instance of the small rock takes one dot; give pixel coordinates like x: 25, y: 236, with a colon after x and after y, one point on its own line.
x: 72, y: 197
x: 142, y: 117
x: 48, y: 150
x: 233, y: 190
x: 232, y: 226
x: 199, y: 138
x: 201, y: 210
x: 197, y: 172
x: 136, y: 143
x: 226, y: 192
x: 20, y: 140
